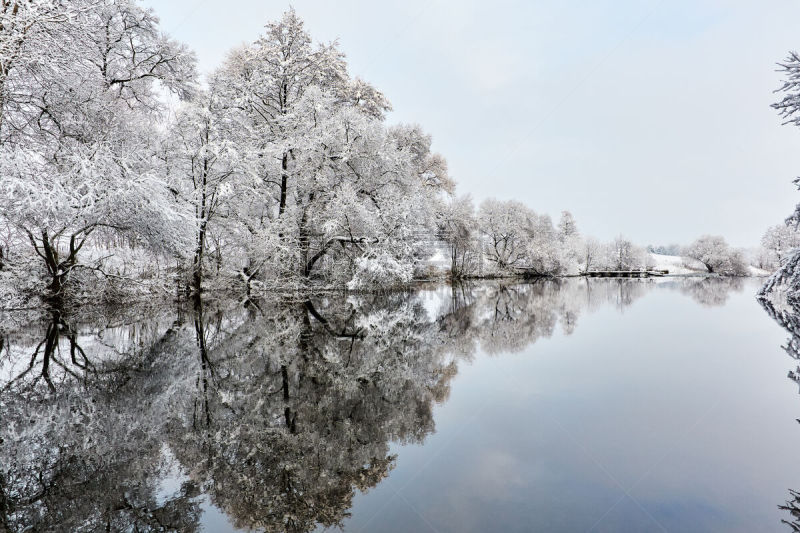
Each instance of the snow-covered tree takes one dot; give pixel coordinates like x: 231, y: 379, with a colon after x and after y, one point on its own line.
x: 567, y: 227
x: 80, y: 90
x: 267, y: 78
x: 571, y: 242
x: 717, y: 256
x: 620, y: 254
x: 502, y: 225
x: 787, y: 277
x: 350, y: 198
x: 517, y: 239
x: 364, y: 195
x: 207, y: 169
x: 458, y: 228
x: 590, y: 254
x: 777, y: 244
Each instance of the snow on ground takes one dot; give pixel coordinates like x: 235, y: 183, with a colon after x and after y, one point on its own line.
x: 688, y: 266
x: 677, y: 264
x: 439, y: 260
x: 759, y: 272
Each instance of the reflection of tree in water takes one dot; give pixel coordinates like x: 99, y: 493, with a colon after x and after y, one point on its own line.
x: 502, y: 318
x: 622, y: 293
x: 303, y: 399
x: 508, y: 318
x: 278, y: 410
x: 77, y: 449
x: 711, y: 291
x: 788, y: 316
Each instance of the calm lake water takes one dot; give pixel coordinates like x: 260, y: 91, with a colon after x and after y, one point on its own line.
x: 580, y: 405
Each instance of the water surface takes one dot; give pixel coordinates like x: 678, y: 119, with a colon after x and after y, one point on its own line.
x: 579, y: 405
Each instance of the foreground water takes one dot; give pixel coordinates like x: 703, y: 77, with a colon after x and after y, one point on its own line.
x: 581, y: 405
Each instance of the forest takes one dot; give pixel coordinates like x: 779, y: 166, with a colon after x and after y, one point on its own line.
x: 125, y: 174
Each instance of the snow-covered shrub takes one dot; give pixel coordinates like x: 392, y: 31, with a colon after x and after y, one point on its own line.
x: 380, y: 270
x: 20, y: 283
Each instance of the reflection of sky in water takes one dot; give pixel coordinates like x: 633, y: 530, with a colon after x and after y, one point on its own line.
x: 602, y: 405
x: 668, y: 416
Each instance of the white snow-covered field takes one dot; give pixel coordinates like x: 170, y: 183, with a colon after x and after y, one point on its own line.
x: 759, y: 272
x: 677, y: 264
x: 687, y: 266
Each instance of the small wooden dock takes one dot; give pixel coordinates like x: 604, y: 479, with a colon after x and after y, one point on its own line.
x: 624, y: 273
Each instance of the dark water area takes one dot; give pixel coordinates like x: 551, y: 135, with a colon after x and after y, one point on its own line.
x: 573, y: 405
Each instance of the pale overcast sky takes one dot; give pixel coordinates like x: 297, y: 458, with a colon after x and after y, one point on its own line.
x: 648, y: 118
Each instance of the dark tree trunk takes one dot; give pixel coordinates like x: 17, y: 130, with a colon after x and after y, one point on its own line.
x: 58, y: 268
x: 203, y: 215
x: 197, y: 264
x: 50, y: 347
x: 5, y: 504
x: 289, y: 418
x: 284, y: 101
x: 284, y: 182
x: 205, y: 366
x: 305, y: 241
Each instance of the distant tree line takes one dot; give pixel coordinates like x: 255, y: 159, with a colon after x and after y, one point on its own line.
x: 669, y: 249
x: 506, y: 237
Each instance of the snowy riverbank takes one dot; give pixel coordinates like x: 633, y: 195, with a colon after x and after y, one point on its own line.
x: 686, y: 266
